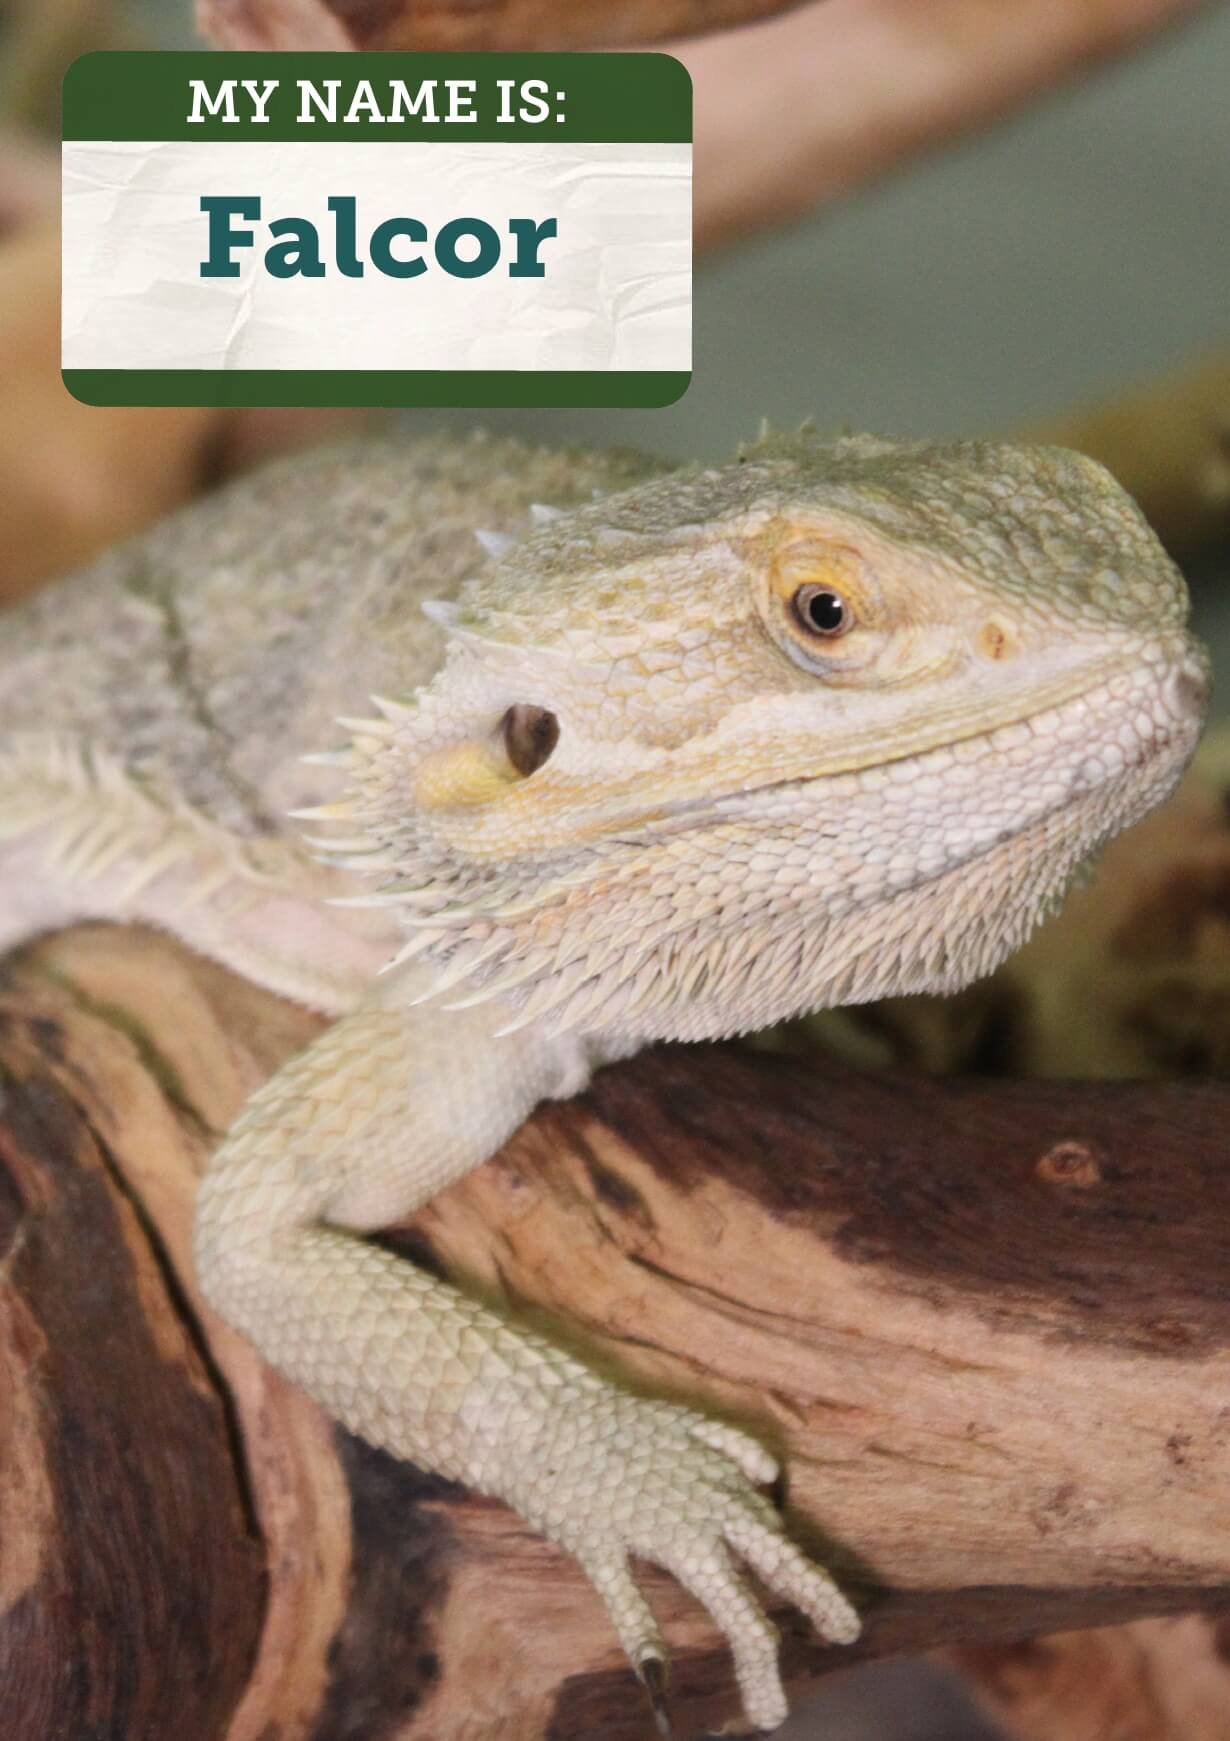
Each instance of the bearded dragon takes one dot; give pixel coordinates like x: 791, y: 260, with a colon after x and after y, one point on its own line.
x: 666, y: 752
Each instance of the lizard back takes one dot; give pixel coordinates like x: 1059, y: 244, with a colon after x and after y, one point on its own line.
x: 213, y: 652
x: 156, y: 708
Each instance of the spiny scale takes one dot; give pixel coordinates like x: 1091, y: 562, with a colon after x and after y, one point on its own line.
x: 442, y: 611
x: 392, y: 709
x: 496, y: 544
x: 339, y: 812
x: 328, y: 759
x: 366, y: 728
x: 416, y: 946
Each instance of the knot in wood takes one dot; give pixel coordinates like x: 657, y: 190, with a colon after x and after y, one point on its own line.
x: 1072, y: 1165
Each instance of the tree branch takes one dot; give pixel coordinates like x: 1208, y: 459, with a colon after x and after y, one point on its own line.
x: 801, y: 109
x: 791, y: 111
x: 460, y: 24
x: 1160, y: 1680
x: 986, y: 1321
x: 77, y: 478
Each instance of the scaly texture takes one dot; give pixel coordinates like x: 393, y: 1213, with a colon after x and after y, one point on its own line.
x: 662, y: 754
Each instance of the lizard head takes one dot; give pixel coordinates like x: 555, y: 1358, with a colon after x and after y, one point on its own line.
x: 836, y: 721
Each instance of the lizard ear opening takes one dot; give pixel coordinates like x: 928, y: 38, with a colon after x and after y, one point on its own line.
x: 530, y: 737
x: 481, y: 770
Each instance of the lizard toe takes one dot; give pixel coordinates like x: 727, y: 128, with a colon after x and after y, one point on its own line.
x: 786, y: 1569
x: 752, y: 1637
x: 653, y: 1671
x: 745, y: 1452
x: 635, y: 1626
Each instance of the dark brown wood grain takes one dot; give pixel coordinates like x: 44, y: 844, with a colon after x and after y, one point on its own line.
x: 985, y: 1323
x: 130, y: 1562
x: 1099, y: 1212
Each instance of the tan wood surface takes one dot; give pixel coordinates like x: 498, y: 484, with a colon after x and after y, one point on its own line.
x: 986, y: 1321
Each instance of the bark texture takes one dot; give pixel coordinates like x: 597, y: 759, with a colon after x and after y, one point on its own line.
x: 986, y: 1321
x: 1152, y: 1680
x: 465, y: 24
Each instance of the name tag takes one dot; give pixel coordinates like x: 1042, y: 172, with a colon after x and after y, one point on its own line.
x: 377, y: 229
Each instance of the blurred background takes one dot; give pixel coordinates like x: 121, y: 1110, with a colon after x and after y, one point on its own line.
x: 1050, y: 261
x: 1030, y: 257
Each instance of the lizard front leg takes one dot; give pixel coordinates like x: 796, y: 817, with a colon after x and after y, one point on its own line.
x: 385, y: 1109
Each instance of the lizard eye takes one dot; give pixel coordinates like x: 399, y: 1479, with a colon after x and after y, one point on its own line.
x: 822, y: 611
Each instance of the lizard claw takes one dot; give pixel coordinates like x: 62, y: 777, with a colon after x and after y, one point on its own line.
x: 652, y: 1671
x: 657, y: 1482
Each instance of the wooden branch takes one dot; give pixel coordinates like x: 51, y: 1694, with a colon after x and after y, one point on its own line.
x: 72, y: 476
x: 790, y: 112
x: 800, y: 110
x: 987, y: 1321
x: 1153, y: 1680
x: 29, y: 179
x: 459, y: 24
x: 76, y: 478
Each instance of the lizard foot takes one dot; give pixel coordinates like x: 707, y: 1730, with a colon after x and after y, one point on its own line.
x: 629, y: 1477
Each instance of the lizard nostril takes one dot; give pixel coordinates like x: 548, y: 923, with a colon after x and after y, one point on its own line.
x: 1190, y: 686
x: 530, y: 737
x: 995, y: 640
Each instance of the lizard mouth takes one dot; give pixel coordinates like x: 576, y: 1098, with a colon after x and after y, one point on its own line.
x: 1013, y: 812
x: 1125, y: 717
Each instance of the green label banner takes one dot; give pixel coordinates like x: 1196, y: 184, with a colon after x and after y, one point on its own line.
x: 377, y: 229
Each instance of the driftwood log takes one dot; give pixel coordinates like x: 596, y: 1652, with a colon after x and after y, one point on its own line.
x: 73, y: 477
x: 76, y: 478
x: 462, y: 24
x: 803, y: 108
x: 987, y: 1321
x: 1151, y: 1680
x: 790, y: 112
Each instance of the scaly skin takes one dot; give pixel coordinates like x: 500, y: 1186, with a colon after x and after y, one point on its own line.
x: 620, y: 788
